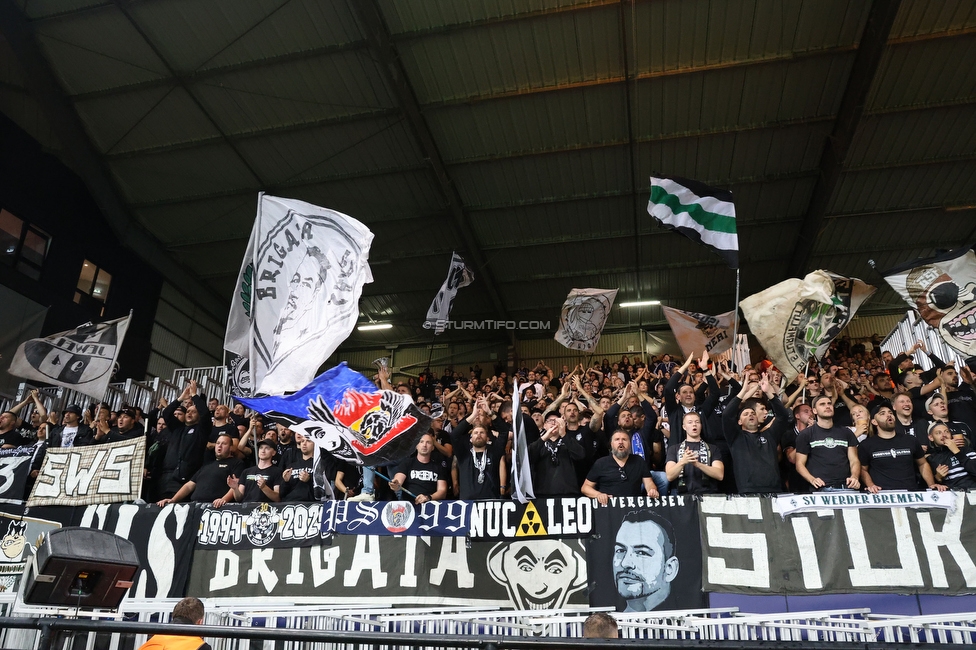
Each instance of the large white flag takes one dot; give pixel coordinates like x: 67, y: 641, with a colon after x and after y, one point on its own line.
x: 81, y: 359
x: 583, y: 316
x: 797, y: 319
x: 697, y: 333
x: 297, y: 296
x: 459, y: 275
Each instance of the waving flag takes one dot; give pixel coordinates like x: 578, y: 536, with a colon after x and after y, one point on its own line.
x: 459, y: 275
x: 583, y: 316
x: 82, y: 359
x: 345, y: 414
x: 943, y: 290
x: 298, y: 294
x: 797, y: 319
x: 701, y: 213
x: 696, y: 332
x: 522, y: 488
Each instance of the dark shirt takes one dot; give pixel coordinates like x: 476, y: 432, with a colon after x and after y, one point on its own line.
x: 826, y: 451
x: 627, y: 481
x: 421, y: 478
x: 553, y: 466
x: 891, y: 461
x: 12, y: 438
x: 692, y: 479
x: 254, y: 494
x: 211, y: 479
x: 294, y: 489
x: 116, y: 435
x: 754, y: 455
x: 216, y: 431
x: 962, y: 405
x: 962, y: 467
x: 470, y: 465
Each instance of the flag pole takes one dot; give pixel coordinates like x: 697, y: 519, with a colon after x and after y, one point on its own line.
x: 735, y: 326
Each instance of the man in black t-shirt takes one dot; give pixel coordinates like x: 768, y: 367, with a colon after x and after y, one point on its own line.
x: 480, y: 457
x: 620, y: 474
x: 553, y: 457
x: 889, y: 459
x: 222, y: 424
x: 9, y: 436
x: 905, y: 420
x: 296, y: 478
x: 124, y: 429
x: 420, y: 477
x: 826, y: 456
x: 261, y: 483
x: 954, y: 464
x: 210, y: 483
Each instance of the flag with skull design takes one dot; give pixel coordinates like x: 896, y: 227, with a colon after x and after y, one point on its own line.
x: 345, y: 414
x: 943, y: 290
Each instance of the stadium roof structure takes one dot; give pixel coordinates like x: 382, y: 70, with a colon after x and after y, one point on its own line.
x: 520, y: 133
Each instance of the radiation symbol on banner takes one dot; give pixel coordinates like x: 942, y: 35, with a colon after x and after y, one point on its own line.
x: 531, y: 523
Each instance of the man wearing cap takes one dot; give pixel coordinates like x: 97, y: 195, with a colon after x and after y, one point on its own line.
x: 123, y: 430
x: 261, y: 483
x: 826, y: 455
x: 210, y: 483
x: 889, y: 459
x: 72, y: 432
x: 938, y: 409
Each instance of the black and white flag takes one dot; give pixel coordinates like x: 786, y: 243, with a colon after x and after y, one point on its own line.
x: 81, y: 359
x: 439, y: 312
x: 297, y: 296
x: 583, y: 316
x: 15, y: 465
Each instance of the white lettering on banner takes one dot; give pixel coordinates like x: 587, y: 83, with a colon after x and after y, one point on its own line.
x: 116, y: 476
x: 809, y: 562
x: 950, y: 538
x: 324, y: 567
x: 295, y: 576
x: 909, y: 574
x: 791, y: 503
x: 49, y: 479
x: 508, y: 528
x: 409, y: 577
x: 453, y: 557
x: 226, y: 571
x: 366, y: 558
x: 260, y: 569
x: 8, y: 468
x: 81, y: 477
x: 718, y: 571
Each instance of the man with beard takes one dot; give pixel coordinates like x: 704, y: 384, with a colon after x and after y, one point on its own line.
x: 754, y: 452
x: 188, y: 439
x: 644, y: 564
x: 620, y: 474
x: 694, y: 466
x: 222, y: 424
x: 803, y: 417
x: 296, y: 478
x: 826, y: 456
x: 209, y: 484
x: 889, y: 459
x: 552, y: 459
x: 954, y: 463
x: 905, y: 422
x: 420, y: 476
x: 960, y: 397
x: 480, y: 456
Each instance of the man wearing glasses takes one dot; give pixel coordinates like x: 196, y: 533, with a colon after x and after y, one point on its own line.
x: 620, y: 474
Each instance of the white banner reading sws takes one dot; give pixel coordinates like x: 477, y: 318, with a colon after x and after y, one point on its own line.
x: 82, y: 476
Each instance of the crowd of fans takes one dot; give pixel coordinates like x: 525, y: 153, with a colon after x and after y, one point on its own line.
x: 858, y: 420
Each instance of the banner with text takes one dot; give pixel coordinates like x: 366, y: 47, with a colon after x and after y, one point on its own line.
x: 15, y: 465
x: 82, y: 476
x: 749, y: 548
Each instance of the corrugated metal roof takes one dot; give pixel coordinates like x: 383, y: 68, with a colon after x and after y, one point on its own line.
x: 536, y: 119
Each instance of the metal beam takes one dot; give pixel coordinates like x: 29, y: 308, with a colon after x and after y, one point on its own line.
x: 381, y: 45
x: 874, y: 39
x: 64, y: 121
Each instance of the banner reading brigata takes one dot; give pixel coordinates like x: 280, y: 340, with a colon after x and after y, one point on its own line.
x: 81, y: 476
x: 912, y: 546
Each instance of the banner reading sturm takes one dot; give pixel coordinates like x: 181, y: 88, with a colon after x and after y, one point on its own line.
x: 81, y: 476
x: 644, y: 555
x: 749, y: 548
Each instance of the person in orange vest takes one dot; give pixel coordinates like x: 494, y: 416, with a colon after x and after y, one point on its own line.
x: 188, y: 611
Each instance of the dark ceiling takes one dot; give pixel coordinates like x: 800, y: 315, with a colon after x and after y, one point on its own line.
x: 521, y: 134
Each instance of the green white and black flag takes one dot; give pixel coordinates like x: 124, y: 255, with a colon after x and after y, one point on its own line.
x: 701, y: 213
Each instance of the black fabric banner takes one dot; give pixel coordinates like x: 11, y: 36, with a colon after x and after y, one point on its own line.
x: 15, y: 466
x: 747, y: 548
x: 19, y: 537
x: 523, y: 574
x: 163, y: 537
x: 645, y: 555
x: 259, y: 525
